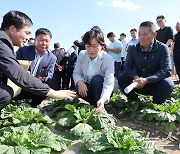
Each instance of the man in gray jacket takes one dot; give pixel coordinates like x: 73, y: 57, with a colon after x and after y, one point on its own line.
x: 15, y: 30
x: 148, y: 64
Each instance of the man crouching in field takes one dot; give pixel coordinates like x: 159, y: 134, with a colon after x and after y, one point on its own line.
x: 148, y: 64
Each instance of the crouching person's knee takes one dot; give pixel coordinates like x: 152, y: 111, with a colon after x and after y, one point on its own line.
x: 6, y: 95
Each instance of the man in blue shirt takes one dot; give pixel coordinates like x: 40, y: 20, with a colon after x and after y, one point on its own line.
x: 114, y: 50
x: 148, y: 64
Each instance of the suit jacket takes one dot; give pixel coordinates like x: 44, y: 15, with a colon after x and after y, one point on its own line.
x: 10, y: 68
x: 59, y: 54
x: 72, y: 60
x: 104, y: 68
x: 47, y: 63
x: 26, y: 53
x: 154, y: 65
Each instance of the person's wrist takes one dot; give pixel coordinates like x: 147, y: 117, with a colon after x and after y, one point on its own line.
x: 146, y: 81
x: 80, y: 81
x: 103, y: 100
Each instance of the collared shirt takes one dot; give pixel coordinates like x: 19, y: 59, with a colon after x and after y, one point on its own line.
x: 91, y: 68
x: 133, y: 42
x: 36, y: 62
x: 115, y: 45
x: 150, y: 47
x: 146, y: 53
x: 124, y: 53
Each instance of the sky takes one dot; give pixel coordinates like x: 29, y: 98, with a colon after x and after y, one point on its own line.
x: 68, y: 20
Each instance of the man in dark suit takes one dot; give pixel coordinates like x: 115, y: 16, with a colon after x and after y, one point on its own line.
x: 43, y: 62
x: 70, y: 67
x: 15, y: 30
x: 56, y: 80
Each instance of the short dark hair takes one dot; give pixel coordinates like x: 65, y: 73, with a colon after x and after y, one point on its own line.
x: 43, y: 31
x: 96, y: 28
x: 31, y: 38
x: 149, y: 24
x: 63, y: 49
x: 160, y: 17
x: 16, y: 18
x: 56, y: 45
x: 74, y: 46
x: 133, y: 30
x: 123, y: 34
x: 94, y: 33
x: 110, y: 34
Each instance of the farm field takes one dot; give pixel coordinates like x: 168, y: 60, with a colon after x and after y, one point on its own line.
x: 71, y: 127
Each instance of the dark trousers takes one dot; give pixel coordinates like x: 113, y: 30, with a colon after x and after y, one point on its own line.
x: 176, y: 57
x: 94, y: 90
x: 6, y: 94
x: 56, y: 80
x: 36, y: 100
x: 64, y: 79
x: 117, y: 69
x: 70, y: 78
x: 160, y: 90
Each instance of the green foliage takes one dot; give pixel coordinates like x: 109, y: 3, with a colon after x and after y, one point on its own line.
x: 98, y: 131
x: 85, y: 114
x: 145, y: 109
x: 13, y: 150
x: 170, y: 127
x: 55, y: 105
x: 96, y: 141
x: 103, y: 120
x: 116, y: 141
x: 80, y: 129
x: 117, y: 97
x: 168, y: 112
x: 65, y: 119
x: 33, y: 136
x: 176, y: 93
x: 127, y: 139
x: 21, y: 115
